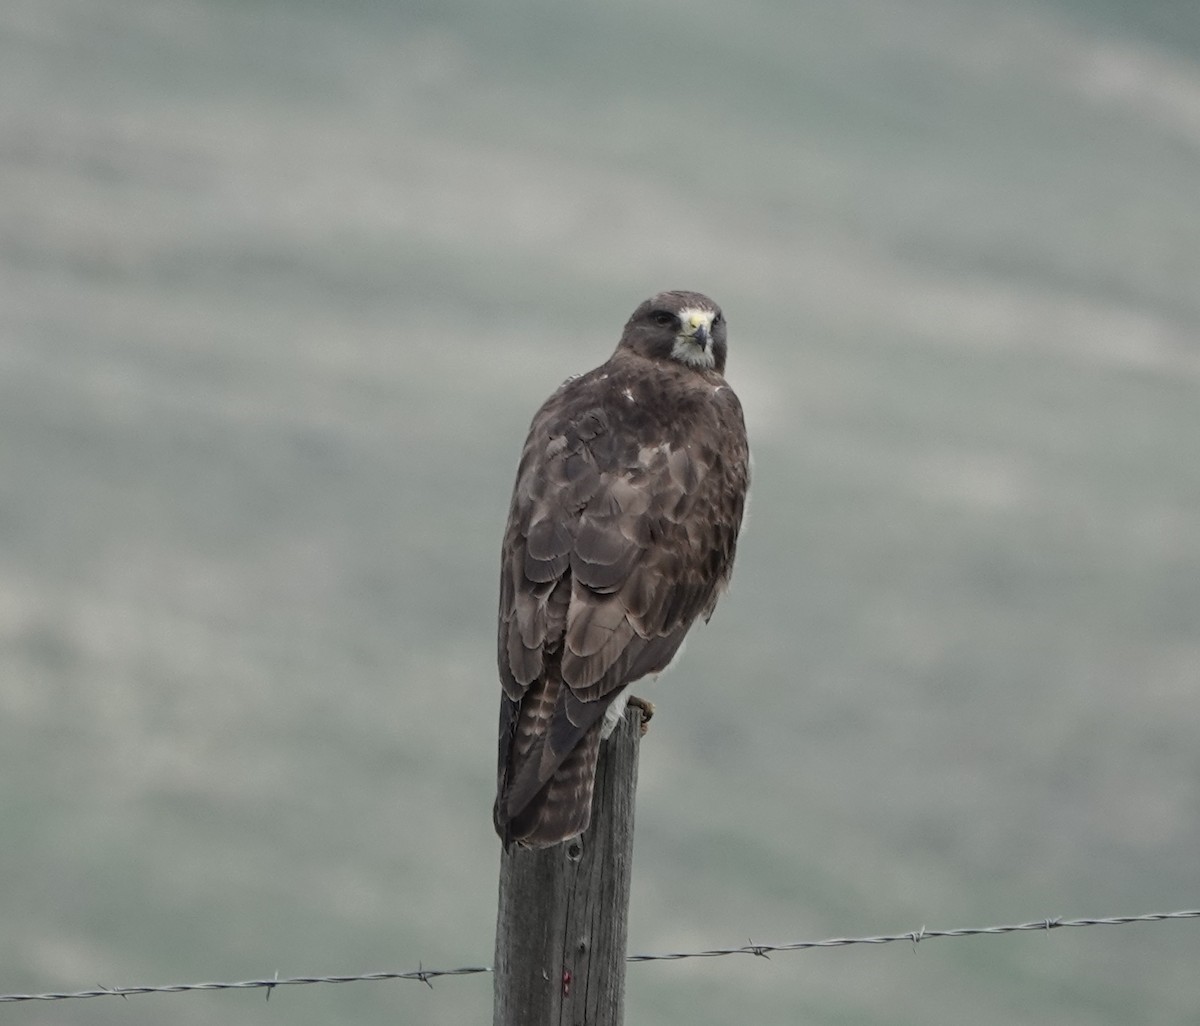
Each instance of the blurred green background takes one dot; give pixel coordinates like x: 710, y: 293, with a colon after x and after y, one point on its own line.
x: 281, y: 284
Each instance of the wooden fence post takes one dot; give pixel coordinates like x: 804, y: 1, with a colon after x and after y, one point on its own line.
x: 562, y: 918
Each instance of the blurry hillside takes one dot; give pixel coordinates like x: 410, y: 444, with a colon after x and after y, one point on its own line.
x: 281, y: 285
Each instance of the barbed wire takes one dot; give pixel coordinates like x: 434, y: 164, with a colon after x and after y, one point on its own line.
x: 427, y: 976
x: 915, y: 936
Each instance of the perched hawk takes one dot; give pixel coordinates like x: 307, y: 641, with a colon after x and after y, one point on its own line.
x: 622, y: 530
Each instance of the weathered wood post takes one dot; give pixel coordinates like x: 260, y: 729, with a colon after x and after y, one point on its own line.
x: 562, y: 918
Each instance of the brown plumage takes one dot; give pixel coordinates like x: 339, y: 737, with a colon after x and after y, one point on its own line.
x: 622, y: 531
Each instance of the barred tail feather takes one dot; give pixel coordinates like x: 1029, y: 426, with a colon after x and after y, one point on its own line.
x: 562, y: 808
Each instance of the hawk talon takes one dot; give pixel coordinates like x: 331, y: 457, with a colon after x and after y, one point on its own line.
x: 647, y: 712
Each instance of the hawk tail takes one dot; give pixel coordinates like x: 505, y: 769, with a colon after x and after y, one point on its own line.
x: 561, y: 808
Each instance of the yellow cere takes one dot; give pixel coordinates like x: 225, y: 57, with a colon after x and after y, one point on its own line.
x: 693, y: 317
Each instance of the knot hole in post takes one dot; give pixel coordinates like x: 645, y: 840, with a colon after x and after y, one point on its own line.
x: 574, y: 850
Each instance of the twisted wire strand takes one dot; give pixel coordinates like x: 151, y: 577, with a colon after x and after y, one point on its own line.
x: 427, y: 976
x: 915, y: 936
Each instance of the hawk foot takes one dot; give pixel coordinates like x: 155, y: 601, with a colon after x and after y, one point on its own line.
x: 647, y: 711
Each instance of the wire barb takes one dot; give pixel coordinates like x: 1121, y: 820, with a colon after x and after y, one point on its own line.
x: 426, y: 976
x: 758, y: 950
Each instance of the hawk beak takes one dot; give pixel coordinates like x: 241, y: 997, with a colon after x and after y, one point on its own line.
x: 695, y: 330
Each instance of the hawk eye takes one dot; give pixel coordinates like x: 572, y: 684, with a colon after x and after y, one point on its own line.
x: 663, y: 317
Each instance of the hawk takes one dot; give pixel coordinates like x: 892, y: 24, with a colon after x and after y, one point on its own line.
x: 622, y: 531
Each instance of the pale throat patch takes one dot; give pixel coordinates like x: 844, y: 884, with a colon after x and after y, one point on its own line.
x: 685, y: 349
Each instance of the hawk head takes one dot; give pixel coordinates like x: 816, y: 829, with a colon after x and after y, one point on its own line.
x: 682, y: 326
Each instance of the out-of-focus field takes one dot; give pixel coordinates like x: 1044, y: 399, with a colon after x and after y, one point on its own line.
x: 281, y: 285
